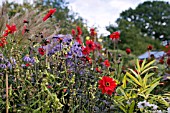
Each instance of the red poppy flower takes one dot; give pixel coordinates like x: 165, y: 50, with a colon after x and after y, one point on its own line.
x: 89, y: 59
x: 107, y: 63
x: 24, y: 29
x: 25, y: 21
x: 140, y: 62
x: 91, y: 45
x: 78, y: 39
x: 47, y: 42
x: 41, y: 51
x: 150, y: 47
x: 136, y: 71
x: 85, y: 51
x: 27, y: 65
x: 168, y: 53
x: 161, y: 61
x: 92, y: 32
x: 64, y: 90
x: 3, y: 42
x: 98, y: 70
x: 49, y: 86
x: 168, y: 61
x: 98, y: 46
x: 128, y: 51
x: 6, y: 33
x: 107, y: 85
x: 49, y: 14
x: 60, y: 40
x: 73, y: 32
x: 115, y: 35
x: 166, y: 46
x: 10, y: 29
x: 79, y: 31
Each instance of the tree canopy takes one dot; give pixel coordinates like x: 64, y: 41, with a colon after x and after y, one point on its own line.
x: 151, y: 17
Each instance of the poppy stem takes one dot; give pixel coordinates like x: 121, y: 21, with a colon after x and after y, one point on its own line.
x: 149, y: 55
x: 46, y: 56
x: 114, y: 46
x: 6, y: 82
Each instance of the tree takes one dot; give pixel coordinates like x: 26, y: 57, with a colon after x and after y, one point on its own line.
x: 151, y: 17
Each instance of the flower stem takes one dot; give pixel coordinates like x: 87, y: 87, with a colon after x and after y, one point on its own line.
x: 114, y: 46
x: 6, y: 91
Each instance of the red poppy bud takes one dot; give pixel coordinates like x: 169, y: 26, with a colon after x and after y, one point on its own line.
x: 115, y: 35
x: 128, y: 51
x: 73, y: 32
x: 168, y: 61
x: 150, y: 47
x: 107, y: 63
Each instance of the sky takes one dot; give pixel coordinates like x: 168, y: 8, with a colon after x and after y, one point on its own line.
x: 100, y: 13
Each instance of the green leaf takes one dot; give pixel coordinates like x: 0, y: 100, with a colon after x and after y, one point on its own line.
x: 123, y: 92
x: 130, y: 81
x: 137, y: 75
x: 124, y: 82
x: 151, y: 88
x: 133, y: 78
x: 143, y: 63
x: 148, y: 69
x: 138, y: 66
x: 132, y: 107
x: 162, y: 100
x: 34, y: 103
x: 145, y: 79
x: 121, y: 107
x: 37, y: 110
x: 155, y: 80
x: 148, y: 64
x: 86, y: 111
x: 73, y: 110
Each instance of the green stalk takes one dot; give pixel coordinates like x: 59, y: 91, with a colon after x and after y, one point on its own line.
x: 6, y: 82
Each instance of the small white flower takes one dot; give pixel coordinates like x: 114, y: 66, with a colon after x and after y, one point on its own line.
x: 128, y: 102
x: 154, y: 106
x: 147, y: 104
x: 140, y: 105
x: 168, y: 109
x: 158, y: 111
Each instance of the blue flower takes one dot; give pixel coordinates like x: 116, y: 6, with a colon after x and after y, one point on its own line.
x: 32, y: 60
x: 27, y: 58
x: 3, y: 66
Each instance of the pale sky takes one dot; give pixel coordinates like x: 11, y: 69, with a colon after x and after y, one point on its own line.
x: 100, y: 13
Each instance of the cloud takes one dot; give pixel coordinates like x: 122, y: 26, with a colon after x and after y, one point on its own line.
x: 101, y: 13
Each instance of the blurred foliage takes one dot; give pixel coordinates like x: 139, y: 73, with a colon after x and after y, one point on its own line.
x: 131, y: 37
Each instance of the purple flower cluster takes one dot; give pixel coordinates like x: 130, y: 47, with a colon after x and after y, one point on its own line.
x: 6, y: 63
x: 76, y: 50
x: 28, y: 59
x: 61, y: 42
